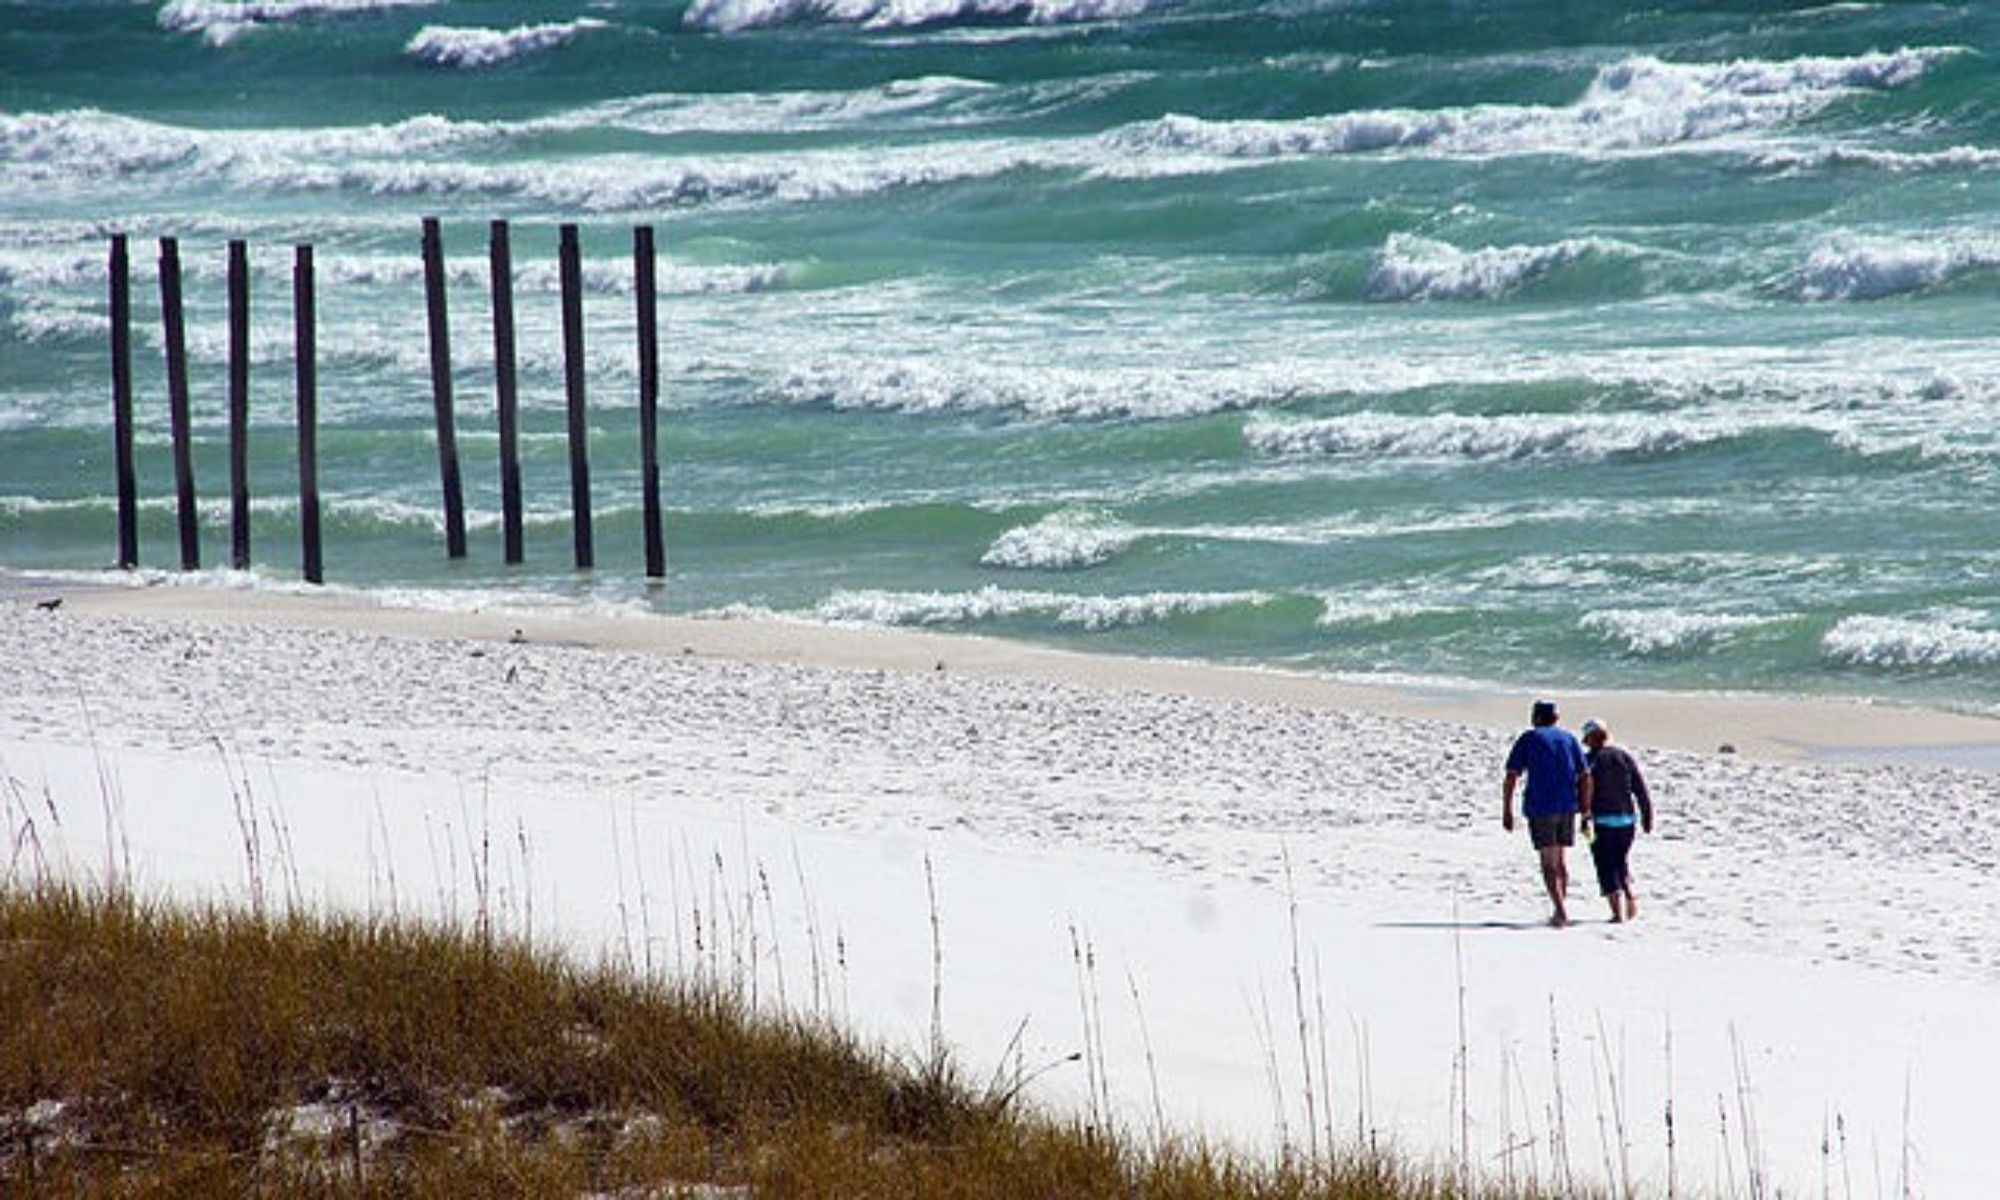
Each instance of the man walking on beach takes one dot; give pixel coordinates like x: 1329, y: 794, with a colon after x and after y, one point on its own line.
x: 1616, y: 785
x: 1558, y: 785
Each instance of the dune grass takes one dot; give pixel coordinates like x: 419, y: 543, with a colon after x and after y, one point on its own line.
x: 153, y: 1049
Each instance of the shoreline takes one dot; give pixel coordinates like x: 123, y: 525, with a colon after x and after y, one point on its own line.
x: 1781, y: 728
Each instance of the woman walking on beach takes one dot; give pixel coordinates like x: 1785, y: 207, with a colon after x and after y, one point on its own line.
x: 1616, y: 787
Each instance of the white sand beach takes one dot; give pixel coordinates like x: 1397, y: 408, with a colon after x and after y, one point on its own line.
x: 1818, y: 930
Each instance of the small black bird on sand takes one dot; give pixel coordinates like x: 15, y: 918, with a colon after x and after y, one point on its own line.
x: 49, y: 605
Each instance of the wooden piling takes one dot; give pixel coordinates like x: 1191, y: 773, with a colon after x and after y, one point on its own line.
x: 121, y: 403
x: 447, y: 432
x: 174, y: 322
x: 304, y: 351
x: 504, y: 390
x: 239, y: 405
x: 579, y: 430
x: 643, y: 274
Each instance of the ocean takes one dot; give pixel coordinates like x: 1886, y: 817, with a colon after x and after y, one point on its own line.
x: 1549, y: 345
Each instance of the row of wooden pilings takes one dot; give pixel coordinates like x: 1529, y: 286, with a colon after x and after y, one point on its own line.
x: 306, y: 374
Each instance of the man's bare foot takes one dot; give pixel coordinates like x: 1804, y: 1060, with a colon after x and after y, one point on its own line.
x: 1558, y: 920
x: 1631, y: 907
x: 1616, y: 915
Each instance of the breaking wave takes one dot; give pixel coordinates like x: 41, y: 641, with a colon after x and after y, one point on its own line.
x: 88, y: 143
x: 731, y: 16
x: 448, y: 46
x: 1901, y: 642
x: 57, y: 324
x: 34, y: 272
x: 992, y: 603
x: 1665, y: 630
x: 1895, y: 162
x: 221, y: 22
x: 1857, y: 268
x: 68, y: 149
x: 1418, y: 268
x: 1511, y: 436
x: 1352, y: 610
x: 1638, y: 104
x: 921, y: 386
x: 931, y: 96
x: 347, y: 513
x: 1060, y: 541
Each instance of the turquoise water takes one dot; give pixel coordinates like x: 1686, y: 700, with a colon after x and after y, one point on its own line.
x: 1563, y: 345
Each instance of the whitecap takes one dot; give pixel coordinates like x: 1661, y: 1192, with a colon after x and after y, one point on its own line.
x: 30, y: 506
x: 1851, y: 267
x: 599, y: 276
x: 42, y: 269
x: 877, y: 607
x: 732, y: 16
x: 50, y: 323
x: 1063, y: 540
x: 1507, y: 436
x: 1418, y: 268
x: 1635, y: 105
x: 1953, y: 158
x: 1873, y: 641
x: 669, y: 113
x: 221, y: 22
x: 89, y: 144
x: 1663, y: 630
x: 450, y: 46
x: 1371, y: 608
x: 928, y: 386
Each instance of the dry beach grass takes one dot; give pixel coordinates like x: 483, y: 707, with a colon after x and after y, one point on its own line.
x: 154, y: 1050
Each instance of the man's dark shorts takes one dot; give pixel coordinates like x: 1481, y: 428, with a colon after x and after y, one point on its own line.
x: 1559, y: 830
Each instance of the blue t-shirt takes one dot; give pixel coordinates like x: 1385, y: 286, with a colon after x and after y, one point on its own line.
x: 1553, y: 761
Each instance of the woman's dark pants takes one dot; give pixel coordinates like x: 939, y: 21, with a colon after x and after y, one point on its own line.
x: 1608, y: 850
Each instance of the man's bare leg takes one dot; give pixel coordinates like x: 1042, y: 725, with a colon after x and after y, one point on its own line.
x: 1631, y: 904
x: 1555, y: 877
x: 1617, y: 911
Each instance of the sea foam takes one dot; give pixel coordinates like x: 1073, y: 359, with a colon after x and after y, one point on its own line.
x: 1635, y: 105
x: 731, y: 16
x: 427, y: 156
x: 90, y: 144
x: 449, y: 46
x: 669, y: 113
